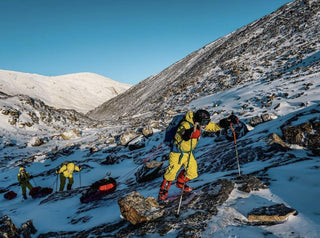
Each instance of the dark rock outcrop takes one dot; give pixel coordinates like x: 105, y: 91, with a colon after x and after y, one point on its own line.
x: 270, y: 215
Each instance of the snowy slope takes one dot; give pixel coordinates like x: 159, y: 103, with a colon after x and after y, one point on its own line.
x: 81, y: 91
x: 293, y: 176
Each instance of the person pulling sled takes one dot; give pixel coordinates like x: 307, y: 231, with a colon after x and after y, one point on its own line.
x: 66, y: 172
x: 185, y: 140
x: 23, y: 178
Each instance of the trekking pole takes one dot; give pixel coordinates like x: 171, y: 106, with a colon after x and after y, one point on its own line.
x: 180, y: 201
x: 80, y: 177
x: 235, y: 145
x: 184, y: 183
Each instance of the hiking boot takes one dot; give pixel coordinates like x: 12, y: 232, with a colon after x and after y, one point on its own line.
x: 25, y: 196
x: 182, y: 180
x: 186, y: 188
x: 164, y: 188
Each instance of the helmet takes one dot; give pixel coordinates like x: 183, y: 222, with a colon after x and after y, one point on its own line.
x: 202, y: 117
x: 22, y: 169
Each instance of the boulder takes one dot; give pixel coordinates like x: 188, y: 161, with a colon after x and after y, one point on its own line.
x: 137, y: 143
x: 306, y: 134
x: 35, y: 142
x: 270, y: 215
x: 136, y: 209
x: 276, y: 143
x: 147, y: 131
x: 27, y: 229
x: 128, y: 136
x: 9, y: 229
x: 72, y: 134
x: 256, y: 120
x: 149, y: 171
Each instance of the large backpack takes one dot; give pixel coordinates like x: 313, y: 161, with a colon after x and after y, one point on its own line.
x: 172, y: 129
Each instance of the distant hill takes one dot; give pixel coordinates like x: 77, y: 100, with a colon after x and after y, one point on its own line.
x: 81, y: 91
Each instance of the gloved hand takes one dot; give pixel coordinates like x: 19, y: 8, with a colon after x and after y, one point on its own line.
x: 57, y: 171
x: 187, y: 133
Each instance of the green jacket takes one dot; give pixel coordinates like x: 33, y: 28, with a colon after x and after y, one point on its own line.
x: 23, y: 177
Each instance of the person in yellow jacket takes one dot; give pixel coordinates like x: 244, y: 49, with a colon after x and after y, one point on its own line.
x: 65, y: 172
x: 23, y: 178
x: 185, y: 141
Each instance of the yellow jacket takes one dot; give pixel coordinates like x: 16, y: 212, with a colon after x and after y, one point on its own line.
x: 68, y: 169
x: 189, y: 145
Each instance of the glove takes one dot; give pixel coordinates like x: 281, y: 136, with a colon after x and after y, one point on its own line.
x: 57, y: 171
x: 195, y: 134
x: 186, y: 134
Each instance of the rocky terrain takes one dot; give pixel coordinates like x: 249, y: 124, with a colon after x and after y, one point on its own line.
x: 279, y: 44
x: 257, y: 72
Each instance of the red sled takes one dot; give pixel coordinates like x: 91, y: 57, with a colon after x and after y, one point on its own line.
x: 39, y: 192
x: 98, y: 190
x: 10, y: 195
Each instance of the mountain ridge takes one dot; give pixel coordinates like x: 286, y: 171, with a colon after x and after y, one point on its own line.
x: 79, y: 91
x: 262, y: 50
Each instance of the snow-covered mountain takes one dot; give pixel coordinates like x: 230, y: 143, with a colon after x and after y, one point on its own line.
x: 81, y: 91
x: 279, y: 104
x: 285, y: 41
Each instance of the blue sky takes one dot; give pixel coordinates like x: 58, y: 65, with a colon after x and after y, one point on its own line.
x: 125, y: 40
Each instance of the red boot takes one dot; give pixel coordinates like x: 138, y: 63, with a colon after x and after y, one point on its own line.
x: 164, y: 188
x: 182, y: 180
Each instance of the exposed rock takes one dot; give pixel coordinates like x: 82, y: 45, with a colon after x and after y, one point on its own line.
x: 72, y: 134
x: 136, y: 209
x: 147, y: 131
x: 149, y: 171
x: 306, y: 134
x: 268, y: 117
x: 3, y: 190
x: 7, y: 228
x: 10, y: 230
x: 270, y: 215
x: 277, y: 143
x: 137, y: 143
x: 36, y: 142
x: 27, y: 229
x: 255, y: 121
x: 128, y: 136
x: 249, y: 183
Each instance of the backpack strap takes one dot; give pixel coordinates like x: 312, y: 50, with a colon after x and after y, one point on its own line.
x: 176, y: 147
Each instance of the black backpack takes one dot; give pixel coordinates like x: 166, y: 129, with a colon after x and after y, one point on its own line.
x: 172, y: 129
